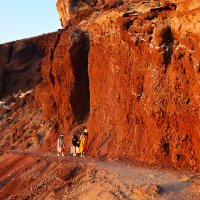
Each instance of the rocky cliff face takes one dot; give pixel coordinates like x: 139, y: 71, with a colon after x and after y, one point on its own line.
x: 73, y: 12
x: 66, y: 80
x: 144, y: 81
x: 129, y: 70
x: 20, y: 63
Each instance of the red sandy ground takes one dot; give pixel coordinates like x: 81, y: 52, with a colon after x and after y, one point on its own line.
x: 131, y: 74
x: 36, y: 175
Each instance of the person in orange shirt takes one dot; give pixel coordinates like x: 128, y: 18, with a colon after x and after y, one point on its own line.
x: 83, y: 140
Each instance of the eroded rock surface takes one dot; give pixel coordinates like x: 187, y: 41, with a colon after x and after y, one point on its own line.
x: 128, y: 70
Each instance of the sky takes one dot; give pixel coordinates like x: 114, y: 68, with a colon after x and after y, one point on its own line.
x: 27, y: 18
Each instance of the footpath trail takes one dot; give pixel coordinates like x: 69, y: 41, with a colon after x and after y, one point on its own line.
x: 113, y: 179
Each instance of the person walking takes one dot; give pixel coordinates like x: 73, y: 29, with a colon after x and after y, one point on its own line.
x: 60, y: 145
x: 83, y: 140
x: 75, y: 144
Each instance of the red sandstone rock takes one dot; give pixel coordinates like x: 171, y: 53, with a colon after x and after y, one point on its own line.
x: 137, y: 90
x: 22, y: 69
x: 113, y: 3
x: 161, y: 34
x: 76, y: 11
x: 65, y: 73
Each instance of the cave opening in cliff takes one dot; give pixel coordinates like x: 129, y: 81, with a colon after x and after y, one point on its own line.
x: 80, y: 98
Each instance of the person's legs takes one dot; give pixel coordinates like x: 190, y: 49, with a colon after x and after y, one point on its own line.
x: 71, y: 150
x: 58, y: 150
x: 82, y: 154
x: 74, y: 150
x: 77, y: 150
x: 62, y: 151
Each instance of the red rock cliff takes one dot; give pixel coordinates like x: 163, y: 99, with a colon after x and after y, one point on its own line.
x: 144, y: 81
x: 20, y: 63
x: 128, y: 70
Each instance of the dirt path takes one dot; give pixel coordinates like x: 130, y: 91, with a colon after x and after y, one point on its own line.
x: 113, y: 179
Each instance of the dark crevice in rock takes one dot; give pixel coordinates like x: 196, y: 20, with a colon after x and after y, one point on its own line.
x: 80, y: 97
x: 52, y: 51
x: 2, y: 80
x: 168, y: 7
x: 169, y: 46
x: 90, y: 3
x: 73, y: 173
x: 55, y: 44
x: 10, y: 53
x: 166, y: 148
x: 52, y: 79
